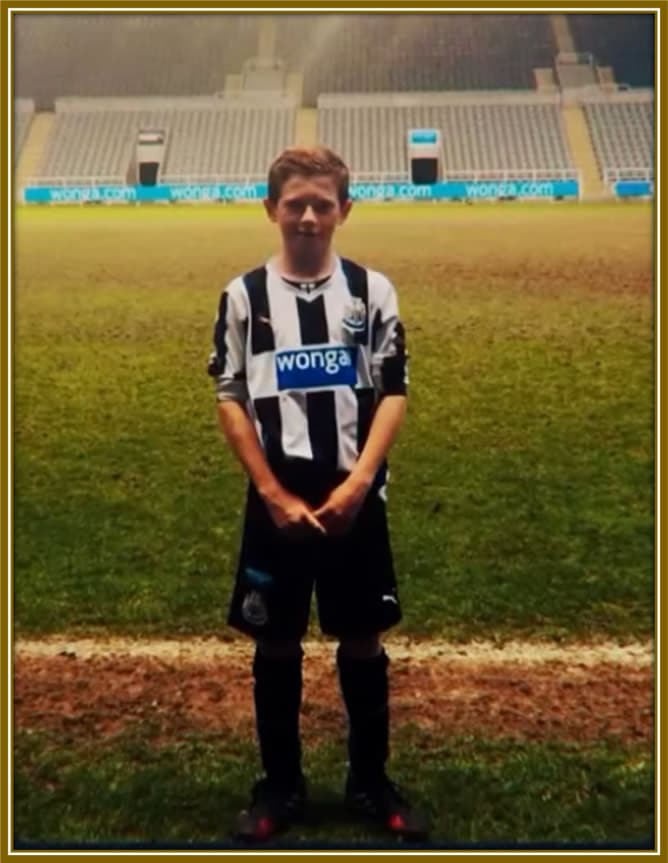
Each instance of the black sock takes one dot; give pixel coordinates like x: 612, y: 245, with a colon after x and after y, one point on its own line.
x: 364, y: 685
x: 278, y: 694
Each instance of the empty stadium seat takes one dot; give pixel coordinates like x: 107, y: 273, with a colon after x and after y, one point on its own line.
x: 488, y: 138
x: 231, y: 143
x: 623, y: 137
x: 207, y: 143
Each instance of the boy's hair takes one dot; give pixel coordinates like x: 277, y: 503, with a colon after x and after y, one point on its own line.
x: 308, y: 162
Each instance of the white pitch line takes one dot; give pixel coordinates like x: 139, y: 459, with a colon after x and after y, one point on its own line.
x: 198, y: 650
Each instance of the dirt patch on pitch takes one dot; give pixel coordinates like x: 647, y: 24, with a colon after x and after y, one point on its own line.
x: 95, y: 690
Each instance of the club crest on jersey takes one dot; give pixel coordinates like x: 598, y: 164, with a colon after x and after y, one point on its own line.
x: 354, y: 318
x: 316, y: 367
x: 254, y: 609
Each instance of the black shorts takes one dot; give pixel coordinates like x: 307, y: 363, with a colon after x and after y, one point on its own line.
x: 353, y: 574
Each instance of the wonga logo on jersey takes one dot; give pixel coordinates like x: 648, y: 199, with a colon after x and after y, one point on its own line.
x: 308, y: 368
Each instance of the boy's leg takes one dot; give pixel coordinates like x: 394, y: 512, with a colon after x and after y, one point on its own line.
x: 277, y: 692
x: 270, y: 602
x: 357, y: 600
x: 363, y: 675
x: 278, y: 798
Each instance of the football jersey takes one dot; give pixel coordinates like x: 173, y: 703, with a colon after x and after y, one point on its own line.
x: 310, y: 361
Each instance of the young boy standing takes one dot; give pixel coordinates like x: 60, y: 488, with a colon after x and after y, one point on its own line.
x: 310, y: 371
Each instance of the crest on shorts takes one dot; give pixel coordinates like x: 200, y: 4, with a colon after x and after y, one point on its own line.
x: 354, y: 316
x: 254, y: 609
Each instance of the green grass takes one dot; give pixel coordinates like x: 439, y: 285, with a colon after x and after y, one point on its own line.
x: 186, y: 795
x: 522, y: 494
x: 521, y: 500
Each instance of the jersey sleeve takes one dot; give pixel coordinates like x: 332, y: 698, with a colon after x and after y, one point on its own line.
x: 227, y: 362
x: 389, y: 360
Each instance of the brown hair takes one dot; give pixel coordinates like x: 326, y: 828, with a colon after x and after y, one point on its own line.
x: 308, y: 162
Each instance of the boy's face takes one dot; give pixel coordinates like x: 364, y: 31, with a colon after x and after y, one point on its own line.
x: 308, y: 212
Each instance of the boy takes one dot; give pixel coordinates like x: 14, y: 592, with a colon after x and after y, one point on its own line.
x: 310, y: 370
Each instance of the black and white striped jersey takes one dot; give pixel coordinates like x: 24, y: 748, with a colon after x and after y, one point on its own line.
x: 310, y: 361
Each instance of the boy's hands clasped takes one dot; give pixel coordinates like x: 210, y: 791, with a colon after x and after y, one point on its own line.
x: 334, y: 516
x: 340, y: 510
x: 291, y: 514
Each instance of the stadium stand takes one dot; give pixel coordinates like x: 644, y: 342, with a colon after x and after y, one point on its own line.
x: 512, y: 94
x: 225, y: 143
x: 383, y: 53
x: 623, y: 41
x: 128, y: 55
x: 24, y: 111
x: 93, y: 141
x: 622, y: 134
x: 481, y: 137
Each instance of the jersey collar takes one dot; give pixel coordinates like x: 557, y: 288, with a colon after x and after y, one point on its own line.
x: 306, y: 289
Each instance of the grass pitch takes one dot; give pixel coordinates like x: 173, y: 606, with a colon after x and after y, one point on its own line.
x: 522, y: 485
x: 521, y: 502
x: 479, y: 794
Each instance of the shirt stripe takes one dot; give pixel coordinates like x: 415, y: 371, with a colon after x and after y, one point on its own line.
x: 358, y: 284
x: 347, y: 416
x: 295, y: 439
x: 220, y: 329
x: 320, y: 406
x: 376, y: 329
x: 366, y: 400
x: 322, y: 428
x: 312, y: 321
x: 268, y: 412
x: 262, y: 334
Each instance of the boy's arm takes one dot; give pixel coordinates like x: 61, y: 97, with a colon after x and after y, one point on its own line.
x: 390, y: 375
x: 287, y: 511
x: 227, y: 365
x: 343, y: 504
